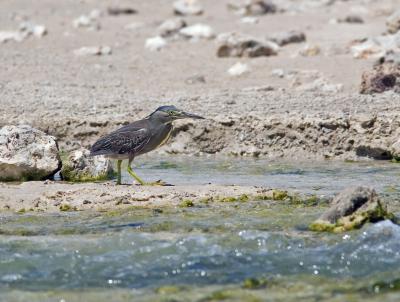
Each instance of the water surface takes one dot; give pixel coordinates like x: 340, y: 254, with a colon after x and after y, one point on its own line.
x: 245, y: 251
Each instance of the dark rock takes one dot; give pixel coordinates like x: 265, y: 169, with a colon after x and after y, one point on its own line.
x: 354, y: 19
x: 116, y: 11
x: 373, y: 150
x: 284, y: 38
x: 382, y: 78
x: 350, y: 209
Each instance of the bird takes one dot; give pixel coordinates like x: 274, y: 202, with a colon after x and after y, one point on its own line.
x: 138, y: 138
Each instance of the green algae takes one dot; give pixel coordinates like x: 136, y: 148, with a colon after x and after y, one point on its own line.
x: 254, y: 283
x: 353, y: 221
x: 67, y: 208
x: 187, y: 203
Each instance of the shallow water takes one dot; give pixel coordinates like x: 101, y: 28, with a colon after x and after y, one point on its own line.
x: 245, y: 251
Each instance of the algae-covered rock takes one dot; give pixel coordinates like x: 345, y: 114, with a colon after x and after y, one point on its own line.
x: 27, y: 154
x: 80, y: 166
x: 350, y: 209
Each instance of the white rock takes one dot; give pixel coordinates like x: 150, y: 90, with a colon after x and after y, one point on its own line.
x: 88, y: 21
x: 27, y: 154
x: 198, y: 31
x: 188, y: 7
x: 156, y: 43
x: 80, y: 166
x: 93, y: 51
x: 238, y: 69
x: 29, y: 28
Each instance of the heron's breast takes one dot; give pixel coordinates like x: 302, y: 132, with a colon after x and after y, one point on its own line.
x: 165, y: 139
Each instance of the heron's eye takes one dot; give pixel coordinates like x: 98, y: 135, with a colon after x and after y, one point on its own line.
x: 171, y: 112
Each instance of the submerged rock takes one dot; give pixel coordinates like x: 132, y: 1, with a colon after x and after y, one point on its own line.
x: 234, y: 45
x: 382, y: 78
x: 27, y: 154
x: 80, y: 166
x: 187, y: 7
x: 350, y: 209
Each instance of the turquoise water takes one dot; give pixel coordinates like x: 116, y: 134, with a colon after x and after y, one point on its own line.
x: 246, y: 251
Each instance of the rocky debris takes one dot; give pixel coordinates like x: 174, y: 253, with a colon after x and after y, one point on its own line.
x: 187, y: 7
x: 375, y: 47
x: 393, y: 22
x: 238, y: 69
x: 155, y: 44
x: 309, y: 50
x: 253, y: 7
x: 234, y: 45
x: 382, y: 78
x: 284, y: 38
x: 350, y: 209
x: 89, y: 21
x: 26, y: 29
x: 117, y: 11
x: 171, y: 27
x: 197, y: 31
x: 93, y: 51
x: 80, y: 166
x: 27, y: 154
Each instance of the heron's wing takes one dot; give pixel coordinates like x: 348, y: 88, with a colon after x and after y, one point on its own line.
x: 126, y: 140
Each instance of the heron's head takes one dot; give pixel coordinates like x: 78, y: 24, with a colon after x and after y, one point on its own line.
x: 167, y: 114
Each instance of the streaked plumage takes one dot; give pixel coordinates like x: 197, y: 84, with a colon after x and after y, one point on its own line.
x: 139, y: 137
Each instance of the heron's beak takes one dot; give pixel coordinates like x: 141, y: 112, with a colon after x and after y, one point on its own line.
x: 190, y: 115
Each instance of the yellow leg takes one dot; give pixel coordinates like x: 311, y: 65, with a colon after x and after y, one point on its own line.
x: 133, y: 174
x: 139, y: 180
x: 119, y: 162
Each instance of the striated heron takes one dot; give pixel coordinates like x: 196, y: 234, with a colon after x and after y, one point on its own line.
x: 139, y: 138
